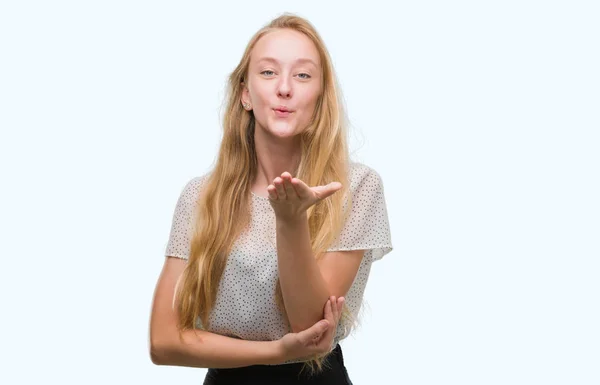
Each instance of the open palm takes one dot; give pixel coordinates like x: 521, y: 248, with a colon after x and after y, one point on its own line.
x: 291, y: 197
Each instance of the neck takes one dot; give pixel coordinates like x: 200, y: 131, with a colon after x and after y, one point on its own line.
x: 274, y: 156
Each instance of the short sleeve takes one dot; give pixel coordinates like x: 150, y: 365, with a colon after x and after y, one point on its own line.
x: 178, y: 244
x: 367, y: 227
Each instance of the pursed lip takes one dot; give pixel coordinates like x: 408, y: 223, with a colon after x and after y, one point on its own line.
x: 282, y: 109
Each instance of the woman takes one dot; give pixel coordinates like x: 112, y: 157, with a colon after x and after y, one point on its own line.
x: 269, y: 253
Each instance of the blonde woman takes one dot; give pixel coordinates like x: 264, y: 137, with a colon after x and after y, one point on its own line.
x: 269, y: 253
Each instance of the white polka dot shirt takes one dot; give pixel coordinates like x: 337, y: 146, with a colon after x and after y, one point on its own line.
x: 245, y: 305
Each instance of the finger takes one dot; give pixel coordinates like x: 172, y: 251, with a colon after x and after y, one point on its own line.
x: 327, y: 190
x: 328, y: 313
x: 336, y: 311
x: 330, y: 317
x: 340, y: 306
x: 324, y: 343
x: 301, y: 188
x: 287, y: 184
x: 278, y: 182
x: 333, y: 302
x: 314, y: 332
x: 272, y: 192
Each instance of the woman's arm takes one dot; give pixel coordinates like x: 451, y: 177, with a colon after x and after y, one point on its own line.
x: 203, y: 349
x: 303, y: 287
x: 199, y: 348
x: 332, y: 275
x: 306, y: 282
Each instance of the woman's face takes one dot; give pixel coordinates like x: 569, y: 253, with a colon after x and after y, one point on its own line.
x: 284, y: 73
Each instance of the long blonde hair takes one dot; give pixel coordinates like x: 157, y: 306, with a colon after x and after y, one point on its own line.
x: 224, y: 204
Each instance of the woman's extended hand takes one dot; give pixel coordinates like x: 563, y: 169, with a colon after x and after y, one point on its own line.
x: 291, y: 197
x: 317, y: 339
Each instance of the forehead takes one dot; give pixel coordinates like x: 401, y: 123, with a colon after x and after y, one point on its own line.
x: 285, y: 46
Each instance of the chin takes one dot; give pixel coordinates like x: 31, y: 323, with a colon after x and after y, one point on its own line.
x: 282, y: 130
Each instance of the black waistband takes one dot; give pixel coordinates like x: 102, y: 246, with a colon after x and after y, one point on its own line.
x: 333, y: 360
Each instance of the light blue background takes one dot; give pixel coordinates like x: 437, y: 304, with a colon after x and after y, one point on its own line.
x: 481, y: 117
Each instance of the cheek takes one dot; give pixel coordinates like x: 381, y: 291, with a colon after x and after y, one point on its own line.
x: 261, y: 107
x: 310, y: 103
x: 259, y: 94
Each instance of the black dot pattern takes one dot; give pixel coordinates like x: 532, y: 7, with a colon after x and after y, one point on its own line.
x: 245, y: 305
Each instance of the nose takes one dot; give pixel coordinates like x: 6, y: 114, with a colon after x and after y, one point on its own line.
x: 284, y: 89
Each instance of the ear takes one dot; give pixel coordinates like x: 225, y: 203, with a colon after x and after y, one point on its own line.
x: 245, y: 97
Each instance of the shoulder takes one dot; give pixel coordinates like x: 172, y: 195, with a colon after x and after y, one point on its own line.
x: 197, y: 182
x: 193, y: 187
x: 363, y: 177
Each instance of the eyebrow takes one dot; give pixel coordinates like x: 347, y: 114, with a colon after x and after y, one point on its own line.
x: 301, y: 60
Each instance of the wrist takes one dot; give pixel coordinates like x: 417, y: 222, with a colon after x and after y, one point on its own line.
x: 293, y: 221
x: 278, y: 354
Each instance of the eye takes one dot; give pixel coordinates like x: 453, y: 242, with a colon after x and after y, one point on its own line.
x: 306, y: 77
x: 263, y: 73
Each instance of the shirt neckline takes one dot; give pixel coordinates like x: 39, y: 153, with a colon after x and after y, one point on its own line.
x: 259, y: 197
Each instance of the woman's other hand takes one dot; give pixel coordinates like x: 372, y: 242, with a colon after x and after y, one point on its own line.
x: 316, y: 340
